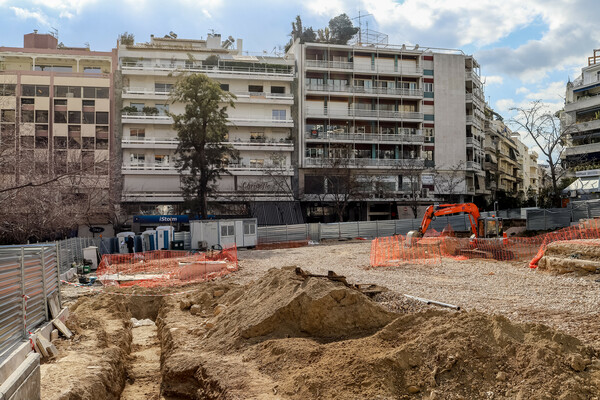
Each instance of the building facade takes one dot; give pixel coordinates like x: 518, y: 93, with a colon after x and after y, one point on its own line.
x: 56, y: 118
x: 260, y: 123
x: 581, y: 117
x: 407, y: 121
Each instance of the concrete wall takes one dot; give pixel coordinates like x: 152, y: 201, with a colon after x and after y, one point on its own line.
x: 450, y: 110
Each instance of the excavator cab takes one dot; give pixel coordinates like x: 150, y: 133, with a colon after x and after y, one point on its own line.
x: 489, y: 227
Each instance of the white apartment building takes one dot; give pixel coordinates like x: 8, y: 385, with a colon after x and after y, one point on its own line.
x: 260, y: 124
x: 408, y: 120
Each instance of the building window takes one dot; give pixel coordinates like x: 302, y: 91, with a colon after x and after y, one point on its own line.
x: 101, y: 137
x: 67, y: 91
x: 101, y: 117
x: 428, y: 87
x: 227, y: 230
x: 59, y: 102
x: 278, y: 89
x: 89, y: 143
x: 74, y: 136
x: 279, y: 115
x: 257, y: 163
x: 7, y: 89
x: 41, y: 116
x: 26, y: 116
x: 249, y: 228
x: 88, y: 117
x: 92, y: 70
x: 27, y: 142
x: 137, y: 159
x: 28, y: 90
x: 60, y: 117
x: 255, y: 88
x: 137, y: 133
x: 27, y: 101
x: 163, y: 109
x: 8, y: 116
x: 225, y: 87
x: 74, y: 117
x: 161, y: 159
x: 163, y: 87
x: 139, y: 106
x: 60, y: 142
x: 88, y: 103
x: 41, y: 142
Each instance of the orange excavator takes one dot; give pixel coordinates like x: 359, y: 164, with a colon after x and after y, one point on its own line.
x: 487, y: 237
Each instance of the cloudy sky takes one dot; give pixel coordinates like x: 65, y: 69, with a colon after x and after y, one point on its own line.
x: 527, y: 49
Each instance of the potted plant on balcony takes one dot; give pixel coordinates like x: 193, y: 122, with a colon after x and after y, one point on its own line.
x: 129, y: 110
x: 148, y: 110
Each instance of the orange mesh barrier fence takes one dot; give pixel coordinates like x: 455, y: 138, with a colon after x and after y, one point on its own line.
x: 162, y: 268
x: 393, y: 251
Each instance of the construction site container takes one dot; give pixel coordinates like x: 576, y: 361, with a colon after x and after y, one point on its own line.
x: 164, y: 237
x: 223, y: 232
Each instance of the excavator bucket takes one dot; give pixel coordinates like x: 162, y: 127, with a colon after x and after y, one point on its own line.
x: 412, y: 238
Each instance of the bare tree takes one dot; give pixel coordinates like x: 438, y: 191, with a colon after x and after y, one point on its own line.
x: 448, y: 181
x: 545, y: 128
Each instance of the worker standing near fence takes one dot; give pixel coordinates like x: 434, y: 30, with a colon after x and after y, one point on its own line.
x: 130, y: 244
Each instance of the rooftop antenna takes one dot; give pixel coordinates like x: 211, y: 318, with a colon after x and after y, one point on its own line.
x: 54, y: 32
x: 359, y: 18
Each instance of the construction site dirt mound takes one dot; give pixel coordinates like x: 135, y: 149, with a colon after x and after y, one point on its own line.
x: 284, y: 336
x: 574, y: 256
x: 436, y: 355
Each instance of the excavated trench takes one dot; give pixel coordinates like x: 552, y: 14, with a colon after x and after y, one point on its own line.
x: 142, y: 369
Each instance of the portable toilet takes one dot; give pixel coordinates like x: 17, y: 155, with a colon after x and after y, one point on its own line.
x: 121, y: 236
x: 149, y: 240
x: 165, y: 235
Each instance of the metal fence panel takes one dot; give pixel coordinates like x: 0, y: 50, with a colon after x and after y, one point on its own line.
x: 11, y: 303
x: 28, y: 276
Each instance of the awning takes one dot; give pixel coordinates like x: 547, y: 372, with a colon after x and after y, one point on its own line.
x: 582, y: 185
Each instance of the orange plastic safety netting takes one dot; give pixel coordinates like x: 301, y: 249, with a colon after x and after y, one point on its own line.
x: 394, y: 251
x: 161, y: 268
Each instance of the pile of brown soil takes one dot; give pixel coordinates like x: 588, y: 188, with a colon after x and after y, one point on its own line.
x: 92, y: 364
x: 572, y: 256
x: 287, y: 337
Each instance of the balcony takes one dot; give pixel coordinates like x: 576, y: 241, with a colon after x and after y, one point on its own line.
x: 471, y: 141
x: 416, y: 163
x: 263, y: 145
x: 364, y: 113
x: 252, y: 71
x: 365, y: 90
x: 150, y: 142
x: 141, y: 118
x: 471, y: 75
x: 472, y: 120
x: 582, y: 149
x: 263, y: 97
x: 586, y: 80
x: 373, y: 69
x: 329, y: 136
x: 587, y: 125
x: 235, y: 168
x: 145, y: 93
x: 149, y: 168
x: 474, y: 166
x: 469, y: 97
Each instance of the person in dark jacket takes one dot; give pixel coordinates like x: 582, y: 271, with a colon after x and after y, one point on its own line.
x: 130, y: 244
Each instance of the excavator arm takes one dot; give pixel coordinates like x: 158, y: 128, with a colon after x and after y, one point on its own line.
x: 448, y: 209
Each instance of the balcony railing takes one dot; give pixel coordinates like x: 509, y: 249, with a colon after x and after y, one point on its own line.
x: 231, y: 167
x: 586, y: 80
x: 150, y: 141
x: 147, y: 117
x: 148, y: 167
x: 253, y: 69
x: 365, y: 90
x: 370, y: 68
x: 472, y: 165
x: 365, y: 162
x: 367, y: 137
x: 472, y: 141
x: 142, y: 117
x: 471, y: 75
x: 356, y: 112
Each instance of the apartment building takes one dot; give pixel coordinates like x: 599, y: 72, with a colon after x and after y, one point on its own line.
x: 56, y: 115
x: 581, y: 116
x: 503, y: 160
x: 528, y: 173
x: 407, y: 120
x: 260, y: 124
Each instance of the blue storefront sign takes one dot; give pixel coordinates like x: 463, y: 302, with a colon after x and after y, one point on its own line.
x: 160, y: 219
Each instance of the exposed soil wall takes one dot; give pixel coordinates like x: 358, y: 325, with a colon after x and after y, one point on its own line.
x: 575, y: 256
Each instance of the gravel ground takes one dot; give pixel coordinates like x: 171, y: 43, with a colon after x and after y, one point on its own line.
x: 567, y: 303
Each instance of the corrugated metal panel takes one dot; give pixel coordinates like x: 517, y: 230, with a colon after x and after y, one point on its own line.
x: 11, y: 305
x: 282, y: 233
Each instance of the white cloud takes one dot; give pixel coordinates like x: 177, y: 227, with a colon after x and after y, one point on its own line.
x: 329, y: 8
x: 37, y: 15
x: 552, y: 92
x: 206, y: 13
x: 492, y: 80
x: 504, y: 105
x: 522, y: 90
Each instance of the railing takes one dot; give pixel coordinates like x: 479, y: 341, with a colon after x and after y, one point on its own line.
x: 469, y: 97
x: 473, y: 165
x: 364, y: 162
x: 148, y: 167
x: 472, y: 141
x: 376, y: 68
x: 230, y: 167
x: 586, y: 80
x: 149, y: 91
x: 368, y: 137
x: 354, y: 112
x: 365, y: 90
x: 140, y: 116
x: 252, y: 70
x: 255, y: 143
x: 146, y: 91
x: 471, y: 75
x: 150, y: 141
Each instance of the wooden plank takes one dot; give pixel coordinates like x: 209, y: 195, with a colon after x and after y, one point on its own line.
x: 53, y: 304
x: 40, y: 345
x: 48, y: 347
x: 62, y: 328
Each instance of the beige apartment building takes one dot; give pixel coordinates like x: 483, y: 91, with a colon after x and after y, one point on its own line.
x: 260, y: 125
x: 56, y: 115
x: 407, y: 120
